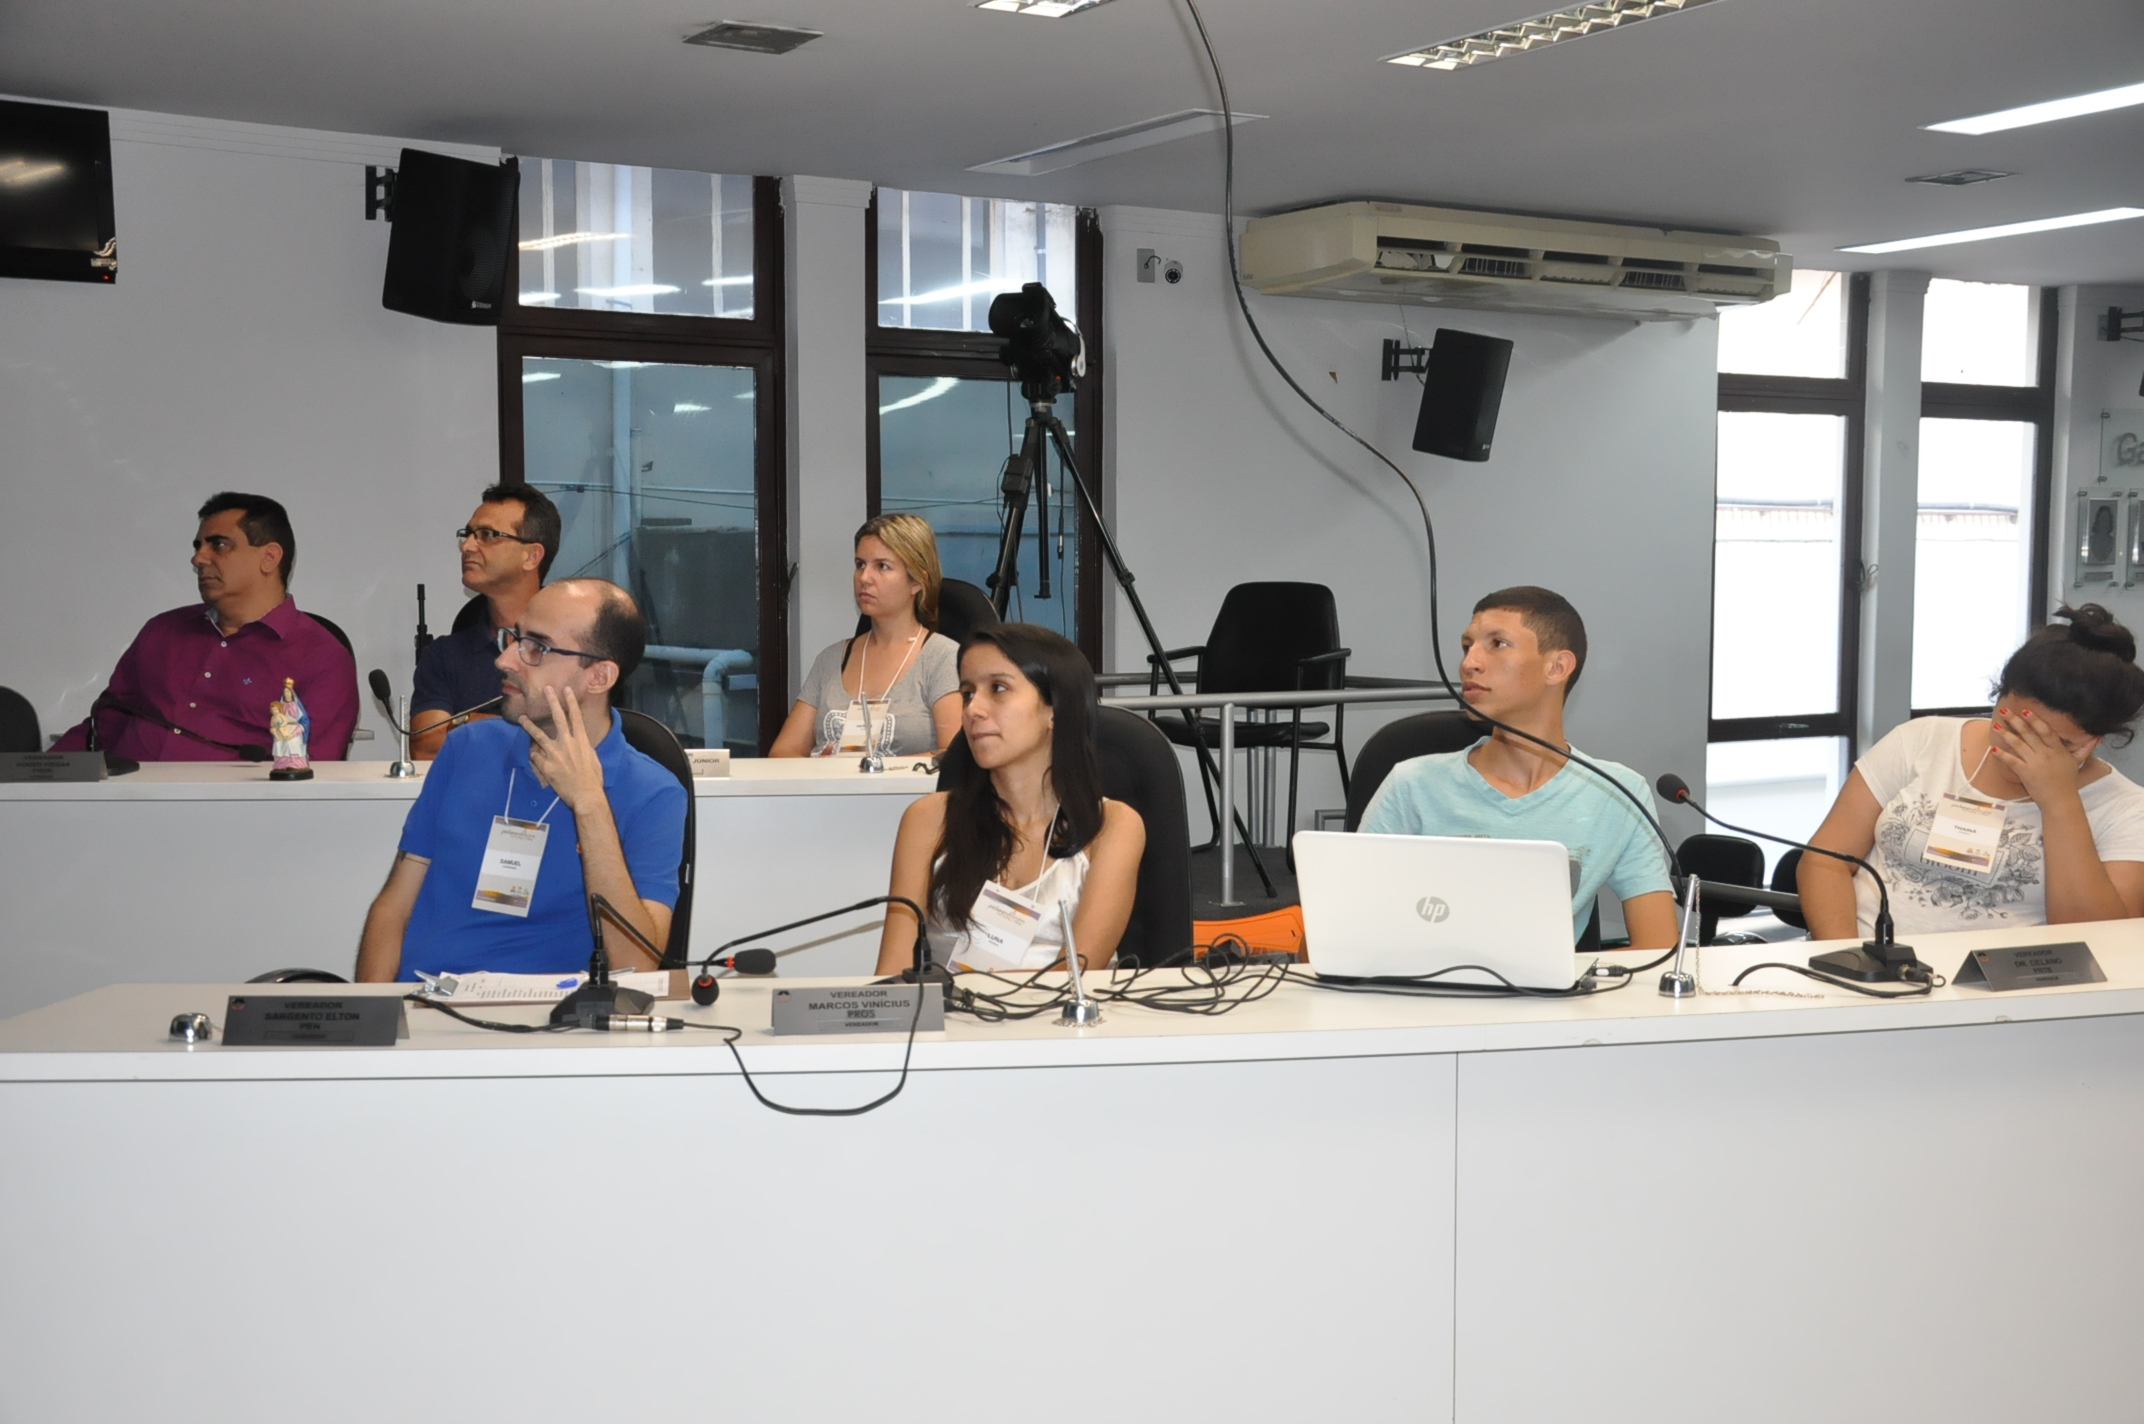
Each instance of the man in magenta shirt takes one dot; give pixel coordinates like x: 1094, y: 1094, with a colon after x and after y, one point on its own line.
x: 196, y: 684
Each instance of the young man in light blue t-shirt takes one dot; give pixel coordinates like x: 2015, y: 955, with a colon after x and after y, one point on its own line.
x: 1524, y: 651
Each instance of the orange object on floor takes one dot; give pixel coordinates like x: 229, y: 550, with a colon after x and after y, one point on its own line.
x: 1274, y: 932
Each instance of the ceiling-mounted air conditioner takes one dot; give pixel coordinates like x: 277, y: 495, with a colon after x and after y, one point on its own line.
x: 1392, y: 252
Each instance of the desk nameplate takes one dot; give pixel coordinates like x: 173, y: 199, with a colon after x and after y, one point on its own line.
x: 2030, y: 966
x: 304, y: 1020
x: 53, y: 766
x: 865, y: 1008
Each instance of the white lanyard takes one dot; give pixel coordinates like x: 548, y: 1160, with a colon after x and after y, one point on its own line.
x: 851, y: 737
x: 863, y: 669
x: 511, y: 773
x: 1966, y: 833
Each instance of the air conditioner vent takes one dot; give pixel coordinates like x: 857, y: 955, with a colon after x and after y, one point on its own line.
x: 1656, y: 281
x: 1488, y: 250
x: 1494, y: 267
x: 1600, y: 259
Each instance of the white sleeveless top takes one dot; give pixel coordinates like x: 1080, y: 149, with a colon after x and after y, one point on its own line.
x: 1061, y: 880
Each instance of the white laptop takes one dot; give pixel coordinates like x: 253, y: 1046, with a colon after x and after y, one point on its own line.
x: 1403, y: 906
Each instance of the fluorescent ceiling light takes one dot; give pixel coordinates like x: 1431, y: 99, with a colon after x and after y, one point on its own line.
x: 623, y: 365
x: 21, y: 173
x: 930, y: 392
x: 1540, y: 32
x: 991, y: 285
x: 727, y: 282
x: 1048, y: 9
x: 1145, y: 134
x: 638, y: 289
x: 537, y: 299
x: 689, y: 408
x: 530, y: 378
x: 570, y: 239
x: 2046, y: 112
x: 1982, y: 234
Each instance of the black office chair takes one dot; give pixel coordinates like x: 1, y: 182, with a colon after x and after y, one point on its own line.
x: 1423, y: 734
x: 1138, y: 768
x: 297, y: 976
x: 644, y: 734
x: 1268, y: 637
x: 1786, y: 880
x: 470, y: 614
x: 962, y: 608
x: 1730, y: 860
x: 19, y: 731
x: 335, y: 628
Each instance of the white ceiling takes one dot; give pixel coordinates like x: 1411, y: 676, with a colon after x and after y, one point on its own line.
x: 1796, y: 119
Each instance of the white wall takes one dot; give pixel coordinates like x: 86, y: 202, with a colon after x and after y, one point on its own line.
x: 242, y: 347
x: 1600, y: 486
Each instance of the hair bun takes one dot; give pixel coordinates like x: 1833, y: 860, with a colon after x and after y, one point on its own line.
x: 2093, y: 627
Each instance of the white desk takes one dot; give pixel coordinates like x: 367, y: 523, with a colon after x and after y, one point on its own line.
x: 1328, y: 1207
x: 202, y: 871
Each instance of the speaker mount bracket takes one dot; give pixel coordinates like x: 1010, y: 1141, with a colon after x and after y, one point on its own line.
x: 379, y: 193
x: 1403, y: 361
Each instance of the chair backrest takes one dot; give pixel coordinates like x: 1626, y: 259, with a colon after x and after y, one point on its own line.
x: 1139, y: 768
x: 335, y: 628
x: 963, y: 608
x: 19, y: 731
x: 1263, y: 630
x: 1786, y: 879
x: 470, y: 614
x: 644, y: 734
x: 1731, y: 860
x: 1395, y: 742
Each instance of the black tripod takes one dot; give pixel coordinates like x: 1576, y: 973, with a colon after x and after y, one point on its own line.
x: 1045, y: 430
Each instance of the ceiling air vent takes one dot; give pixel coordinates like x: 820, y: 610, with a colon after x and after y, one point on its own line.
x: 759, y: 39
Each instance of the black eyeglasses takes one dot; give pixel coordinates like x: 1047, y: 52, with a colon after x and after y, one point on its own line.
x: 489, y: 536
x: 533, y: 650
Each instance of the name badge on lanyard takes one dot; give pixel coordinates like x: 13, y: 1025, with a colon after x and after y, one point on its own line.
x: 513, y: 857
x: 1966, y: 834
x: 1001, y: 926
x: 852, y: 724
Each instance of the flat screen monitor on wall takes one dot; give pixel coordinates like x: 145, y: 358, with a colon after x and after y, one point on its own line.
x: 56, y: 193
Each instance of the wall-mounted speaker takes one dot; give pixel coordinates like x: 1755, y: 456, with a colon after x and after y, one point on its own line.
x: 1462, y: 388
x: 452, y: 247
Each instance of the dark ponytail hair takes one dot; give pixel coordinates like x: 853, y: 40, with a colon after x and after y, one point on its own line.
x: 977, y: 842
x: 2087, y: 671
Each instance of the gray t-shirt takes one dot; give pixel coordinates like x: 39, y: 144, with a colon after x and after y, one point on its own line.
x: 933, y: 672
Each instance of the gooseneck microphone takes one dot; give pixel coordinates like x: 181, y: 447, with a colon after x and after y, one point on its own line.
x: 1881, y: 959
x: 383, y: 691
x: 706, y: 988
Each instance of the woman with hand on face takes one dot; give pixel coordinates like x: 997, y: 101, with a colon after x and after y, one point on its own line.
x: 896, y: 684
x: 1983, y: 823
x: 1026, y: 835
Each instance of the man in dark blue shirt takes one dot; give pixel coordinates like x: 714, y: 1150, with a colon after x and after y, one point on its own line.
x: 522, y: 817
x: 506, y: 548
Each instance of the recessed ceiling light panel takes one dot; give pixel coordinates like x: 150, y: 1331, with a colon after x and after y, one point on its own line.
x: 2016, y: 229
x: 1540, y: 32
x: 757, y: 38
x: 1961, y: 177
x: 2046, y: 112
x: 1048, y: 9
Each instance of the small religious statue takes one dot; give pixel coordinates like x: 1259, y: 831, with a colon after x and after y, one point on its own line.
x: 290, y: 726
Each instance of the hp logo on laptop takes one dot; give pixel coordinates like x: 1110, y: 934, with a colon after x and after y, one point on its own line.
x: 1433, y: 909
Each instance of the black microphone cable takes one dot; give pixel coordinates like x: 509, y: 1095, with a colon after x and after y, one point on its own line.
x: 245, y: 751
x: 1429, y: 529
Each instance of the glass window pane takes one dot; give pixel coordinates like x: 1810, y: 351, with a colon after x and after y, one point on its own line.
x: 1776, y: 565
x: 941, y: 258
x: 1969, y: 561
x: 1785, y: 788
x: 606, y: 237
x: 652, y: 469
x: 1978, y: 333
x: 942, y: 446
x: 1800, y: 333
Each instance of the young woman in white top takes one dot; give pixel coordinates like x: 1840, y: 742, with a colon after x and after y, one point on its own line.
x: 1026, y: 832
x: 898, y: 679
x: 2007, y: 820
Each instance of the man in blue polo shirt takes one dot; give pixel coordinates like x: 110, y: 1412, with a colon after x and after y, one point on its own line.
x: 1524, y: 651
x: 521, y: 818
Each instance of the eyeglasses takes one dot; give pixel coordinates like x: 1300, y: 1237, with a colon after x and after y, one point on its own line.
x: 489, y: 536
x: 534, y: 650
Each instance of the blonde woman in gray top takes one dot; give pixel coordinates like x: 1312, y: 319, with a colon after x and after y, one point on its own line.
x: 898, y: 684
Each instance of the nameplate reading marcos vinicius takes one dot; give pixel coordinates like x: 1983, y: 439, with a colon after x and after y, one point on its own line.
x: 864, y: 1008
x: 289, y: 1020
x: 2031, y: 966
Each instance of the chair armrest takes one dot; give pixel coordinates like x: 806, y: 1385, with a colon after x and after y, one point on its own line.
x: 1336, y: 655
x: 1173, y: 654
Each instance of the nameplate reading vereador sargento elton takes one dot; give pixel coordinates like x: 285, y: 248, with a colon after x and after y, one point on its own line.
x: 860, y: 1008
x: 2031, y: 966
x: 307, y: 1020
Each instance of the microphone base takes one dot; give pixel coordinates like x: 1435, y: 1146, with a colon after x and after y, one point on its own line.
x: 291, y: 773
x: 583, y: 1004
x: 1674, y: 985
x: 1873, y: 963
x: 118, y: 765
x: 402, y: 770
x: 937, y: 974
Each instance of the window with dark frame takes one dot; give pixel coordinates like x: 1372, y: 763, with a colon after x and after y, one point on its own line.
x: 943, y: 411
x: 641, y: 373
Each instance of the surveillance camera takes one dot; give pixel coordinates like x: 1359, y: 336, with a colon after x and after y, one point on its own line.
x: 1173, y: 273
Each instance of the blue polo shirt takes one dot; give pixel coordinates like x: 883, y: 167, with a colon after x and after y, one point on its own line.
x: 1609, y: 843
x: 459, y: 671
x: 483, y: 771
